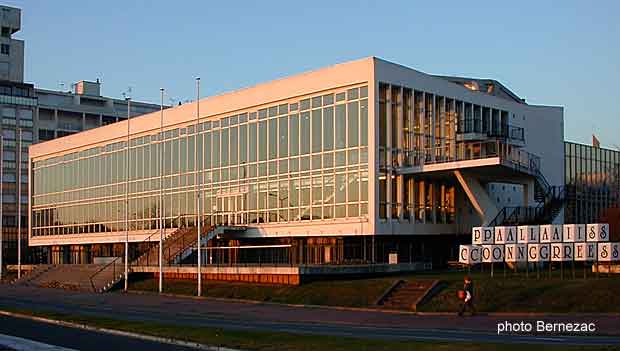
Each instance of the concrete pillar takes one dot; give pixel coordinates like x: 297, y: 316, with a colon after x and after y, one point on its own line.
x: 432, y: 131
x: 388, y: 180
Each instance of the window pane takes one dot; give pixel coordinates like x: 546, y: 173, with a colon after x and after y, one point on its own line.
x: 340, y: 129
x: 234, y: 144
x: 364, y: 122
x: 294, y: 135
x: 273, y: 138
x: 317, y: 131
x: 262, y: 140
x: 328, y: 128
x: 243, y: 143
x: 341, y: 185
x: 305, y: 133
x: 225, y: 140
x: 353, y: 125
x: 283, y: 139
x: 253, y: 145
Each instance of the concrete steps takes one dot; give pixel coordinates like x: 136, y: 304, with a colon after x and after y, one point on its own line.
x: 407, y: 294
x: 75, y: 277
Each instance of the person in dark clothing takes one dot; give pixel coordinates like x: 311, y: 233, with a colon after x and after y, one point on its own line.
x: 468, y: 300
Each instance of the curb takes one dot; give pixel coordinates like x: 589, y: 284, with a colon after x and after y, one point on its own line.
x: 159, y: 339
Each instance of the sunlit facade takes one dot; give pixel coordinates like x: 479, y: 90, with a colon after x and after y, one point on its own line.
x: 346, y: 164
x: 288, y: 163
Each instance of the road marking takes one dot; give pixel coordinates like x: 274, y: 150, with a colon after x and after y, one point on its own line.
x: 21, y: 344
x: 549, y: 339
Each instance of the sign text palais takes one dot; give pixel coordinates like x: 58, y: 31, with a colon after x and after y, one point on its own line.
x: 540, y: 243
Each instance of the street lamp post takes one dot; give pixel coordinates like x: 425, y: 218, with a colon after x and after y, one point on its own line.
x: 198, y: 184
x: 19, y: 204
x: 161, y: 190
x: 127, y: 198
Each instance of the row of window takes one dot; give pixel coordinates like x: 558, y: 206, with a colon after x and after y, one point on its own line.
x: 272, y: 139
x: 307, y: 160
x: 311, y: 198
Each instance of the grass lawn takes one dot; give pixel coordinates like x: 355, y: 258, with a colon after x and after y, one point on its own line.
x: 498, y: 294
x: 264, y: 341
x: 517, y: 294
x: 349, y: 293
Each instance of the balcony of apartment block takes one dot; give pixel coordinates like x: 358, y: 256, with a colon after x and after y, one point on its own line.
x: 485, y: 155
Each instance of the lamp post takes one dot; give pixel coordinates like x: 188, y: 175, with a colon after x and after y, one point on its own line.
x: 127, y: 198
x: 19, y: 204
x: 161, y: 190
x: 198, y: 184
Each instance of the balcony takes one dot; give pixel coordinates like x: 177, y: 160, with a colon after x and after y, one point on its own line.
x: 473, y: 130
x: 463, y: 155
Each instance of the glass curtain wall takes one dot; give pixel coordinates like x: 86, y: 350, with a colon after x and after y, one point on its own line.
x: 305, y: 160
x: 592, y: 182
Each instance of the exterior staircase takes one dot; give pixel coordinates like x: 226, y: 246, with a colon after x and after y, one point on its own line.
x: 406, y: 295
x: 551, y: 201
x: 177, y: 247
x: 77, y: 277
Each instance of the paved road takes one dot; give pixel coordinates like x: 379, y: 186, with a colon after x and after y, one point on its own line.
x: 76, y: 339
x: 320, y: 321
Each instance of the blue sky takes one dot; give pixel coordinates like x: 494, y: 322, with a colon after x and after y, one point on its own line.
x: 550, y: 52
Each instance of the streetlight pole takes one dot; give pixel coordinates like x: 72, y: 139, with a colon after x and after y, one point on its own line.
x: 161, y: 190
x: 198, y: 184
x: 19, y: 204
x: 127, y: 198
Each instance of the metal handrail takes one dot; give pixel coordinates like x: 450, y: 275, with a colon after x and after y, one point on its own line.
x: 148, y: 239
x: 190, y: 244
x: 92, y: 284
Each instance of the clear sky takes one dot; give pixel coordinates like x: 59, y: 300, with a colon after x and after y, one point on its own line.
x: 550, y: 52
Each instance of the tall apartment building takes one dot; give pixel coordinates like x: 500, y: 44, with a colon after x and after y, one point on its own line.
x: 11, y: 50
x: 38, y: 115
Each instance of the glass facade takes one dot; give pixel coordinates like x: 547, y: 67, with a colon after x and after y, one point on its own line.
x: 305, y: 160
x: 592, y: 182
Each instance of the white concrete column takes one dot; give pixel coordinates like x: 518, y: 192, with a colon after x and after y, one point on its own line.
x: 442, y: 127
x: 388, y: 179
x: 432, y: 131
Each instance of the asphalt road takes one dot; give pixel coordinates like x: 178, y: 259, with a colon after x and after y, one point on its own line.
x: 76, y: 339
x: 304, y: 320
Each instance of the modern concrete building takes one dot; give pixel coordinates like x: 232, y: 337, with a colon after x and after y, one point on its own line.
x: 347, y: 163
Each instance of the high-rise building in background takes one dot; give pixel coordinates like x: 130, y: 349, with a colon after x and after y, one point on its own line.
x: 40, y: 115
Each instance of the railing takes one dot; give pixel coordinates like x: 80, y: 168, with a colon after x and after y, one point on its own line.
x: 104, y: 269
x: 184, y: 247
x: 514, y: 156
x: 148, y: 240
